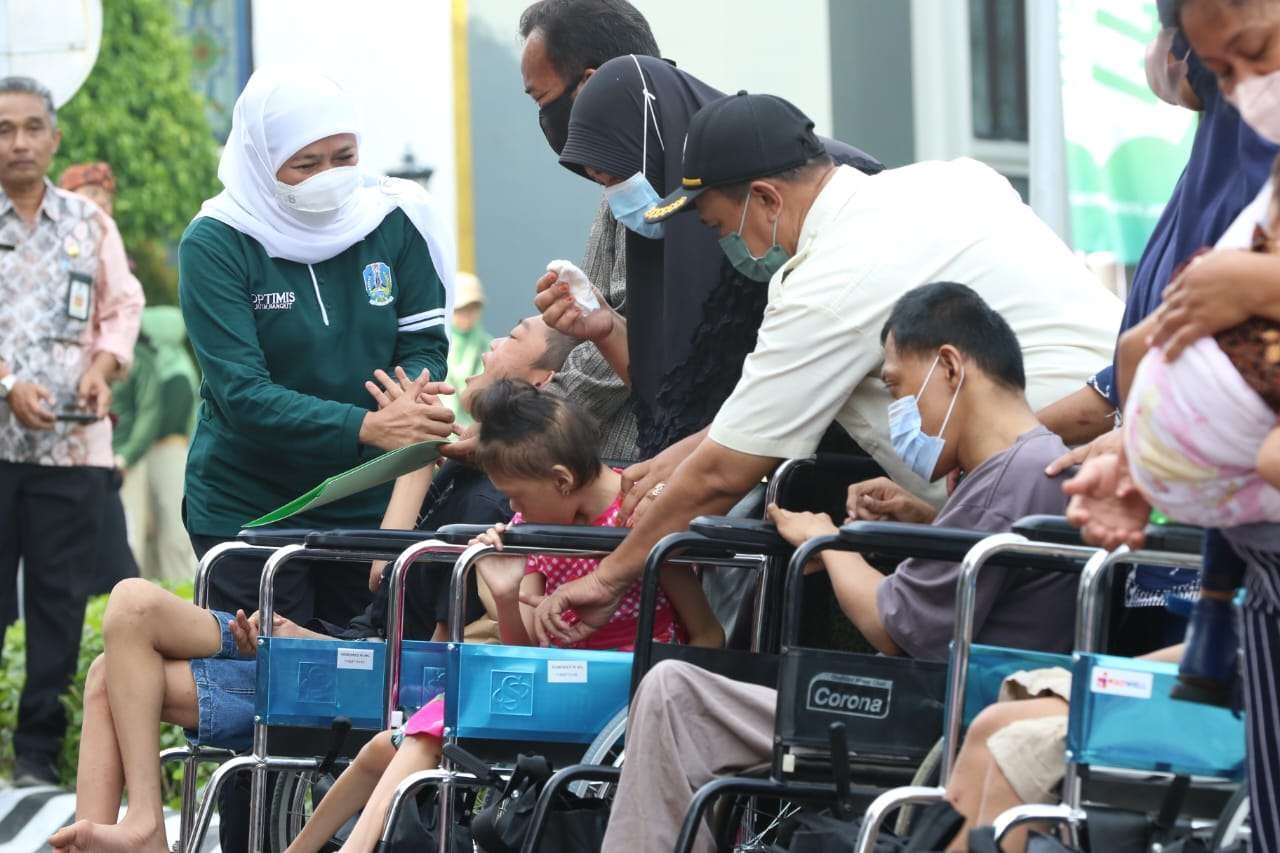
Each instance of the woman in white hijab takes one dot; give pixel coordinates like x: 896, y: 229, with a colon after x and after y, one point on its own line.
x: 299, y: 282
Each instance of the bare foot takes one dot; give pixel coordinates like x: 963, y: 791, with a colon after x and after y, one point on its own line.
x: 102, y: 838
x: 1106, y: 505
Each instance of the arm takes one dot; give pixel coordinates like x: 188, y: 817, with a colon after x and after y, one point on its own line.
x: 402, y: 511
x: 421, y: 341
x: 1269, y: 458
x: 604, y: 327
x: 685, y: 591
x: 119, y: 301
x: 1129, y: 352
x: 710, y: 481
x: 1216, y: 292
x: 855, y: 582
x: 1080, y: 417
x: 213, y: 292
x: 856, y: 585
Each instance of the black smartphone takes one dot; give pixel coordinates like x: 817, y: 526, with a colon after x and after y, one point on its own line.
x: 78, y: 416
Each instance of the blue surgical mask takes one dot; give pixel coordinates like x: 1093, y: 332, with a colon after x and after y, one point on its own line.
x: 921, y: 452
x: 759, y: 269
x: 630, y: 199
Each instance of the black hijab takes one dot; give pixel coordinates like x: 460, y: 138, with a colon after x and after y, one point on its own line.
x: 691, y: 318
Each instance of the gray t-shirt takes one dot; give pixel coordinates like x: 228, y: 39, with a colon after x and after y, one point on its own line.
x: 1018, y: 608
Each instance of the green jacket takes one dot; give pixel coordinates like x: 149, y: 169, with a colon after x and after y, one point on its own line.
x: 285, y: 349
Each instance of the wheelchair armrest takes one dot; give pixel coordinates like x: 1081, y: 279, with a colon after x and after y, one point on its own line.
x: 274, y: 537
x: 900, y: 540
x: 367, y: 540
x: 460, y: 534
x: 748, y: 534
x: 1048, y: 528
x: 577, y: 537
x: 1174, y: 538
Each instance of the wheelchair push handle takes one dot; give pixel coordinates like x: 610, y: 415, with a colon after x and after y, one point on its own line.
x: 1048, y: 528
x: 338, y: 731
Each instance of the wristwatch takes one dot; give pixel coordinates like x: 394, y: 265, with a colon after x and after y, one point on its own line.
x: 6, y: 385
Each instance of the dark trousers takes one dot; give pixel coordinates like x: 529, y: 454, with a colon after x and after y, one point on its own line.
x: 334, y: 592
x: 49, y: 519
x: 1261, y: 642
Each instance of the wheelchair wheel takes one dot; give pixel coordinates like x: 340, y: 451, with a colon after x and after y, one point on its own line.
x: 607, y: 750
x: 1233, y: 823
x: 750, y: 824
x: 294, y: 799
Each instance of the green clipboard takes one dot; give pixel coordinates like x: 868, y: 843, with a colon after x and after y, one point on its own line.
x: 375, y: 472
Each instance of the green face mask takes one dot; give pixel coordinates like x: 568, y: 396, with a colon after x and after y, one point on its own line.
x: 759, y: 269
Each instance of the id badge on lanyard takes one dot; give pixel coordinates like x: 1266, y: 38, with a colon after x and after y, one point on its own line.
x: 79, y: 296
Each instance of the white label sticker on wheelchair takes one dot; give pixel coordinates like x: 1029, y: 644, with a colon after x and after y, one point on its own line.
x: 355, y: 658
x: 855, y: 695
x: 566, y: 672
x: 1121, y: 682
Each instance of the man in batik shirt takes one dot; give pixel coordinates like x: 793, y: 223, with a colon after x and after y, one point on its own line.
x: 69, y: 315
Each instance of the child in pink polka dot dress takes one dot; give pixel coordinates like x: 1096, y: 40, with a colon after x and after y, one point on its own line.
x: 541, y: 452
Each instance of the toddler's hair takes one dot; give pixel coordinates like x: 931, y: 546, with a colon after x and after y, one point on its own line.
x: 525, y: 433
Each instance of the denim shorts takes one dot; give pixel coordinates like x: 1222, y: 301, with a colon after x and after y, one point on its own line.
x: 225, y: 687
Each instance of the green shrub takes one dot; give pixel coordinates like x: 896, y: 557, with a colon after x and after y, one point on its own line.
x: 13, y: 674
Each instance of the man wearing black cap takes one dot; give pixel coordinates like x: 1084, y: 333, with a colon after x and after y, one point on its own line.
x: 838, y: 249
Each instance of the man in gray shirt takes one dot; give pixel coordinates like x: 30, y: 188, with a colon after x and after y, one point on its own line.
x: 954, y: 369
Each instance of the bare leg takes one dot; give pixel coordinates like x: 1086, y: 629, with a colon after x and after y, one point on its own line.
x: 997, y: 797
x: 148, y: 635
x: 975, y: 765
x: 347, y: 796
x: 418, y: 752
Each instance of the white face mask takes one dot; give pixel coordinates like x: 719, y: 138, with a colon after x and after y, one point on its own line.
x: 1258, y: 100
x: 322, y: 193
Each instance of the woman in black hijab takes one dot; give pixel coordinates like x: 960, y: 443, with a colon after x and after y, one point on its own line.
x: 692, y: 318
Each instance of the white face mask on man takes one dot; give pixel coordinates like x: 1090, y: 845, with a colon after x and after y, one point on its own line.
x: 1258, y: 100
x: 322, y: 193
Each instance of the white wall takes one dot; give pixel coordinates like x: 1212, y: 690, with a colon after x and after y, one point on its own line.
x: 396, y: 55
x: 781, y: 47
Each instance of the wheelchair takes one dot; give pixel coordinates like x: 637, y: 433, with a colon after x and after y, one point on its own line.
x: 893, y: 710
x: 298, y: 699
x: 486, y: 724
x: 1182, y: 783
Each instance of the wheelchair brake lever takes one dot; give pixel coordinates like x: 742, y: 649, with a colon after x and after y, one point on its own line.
x: 338, y: 731
x: 840, y: 768
x: 459, y: 757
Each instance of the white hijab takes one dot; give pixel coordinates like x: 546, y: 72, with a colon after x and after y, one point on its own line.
x: 282, y: 110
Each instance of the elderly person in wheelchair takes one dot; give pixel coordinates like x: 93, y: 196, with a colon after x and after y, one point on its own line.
x: 167, y: 660
x: 954, y: 368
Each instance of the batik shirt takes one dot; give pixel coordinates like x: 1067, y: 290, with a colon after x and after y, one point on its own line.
x: 66, y: 294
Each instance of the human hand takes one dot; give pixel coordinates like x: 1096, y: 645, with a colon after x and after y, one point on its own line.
x: 1107, y: 443
x: 502, y: 574
x: 882, y: 499
x: 799, y: 527
x: 1106, y: 505
x: 644, y: 481
x: 1204, y: 300
x: 375, y: 574
x: 464, y: 446
x: 562, y: 312
x: 491, y: 537
x: 31, y: 404
x: 386, y: 390
x: 575, y: 610
x: 93, y: 394
x: 406, y: 419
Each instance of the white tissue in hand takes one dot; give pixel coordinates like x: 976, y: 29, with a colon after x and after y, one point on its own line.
x: 579, y: 285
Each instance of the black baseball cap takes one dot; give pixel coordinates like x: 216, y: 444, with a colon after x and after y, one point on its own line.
x: 739, y: 138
